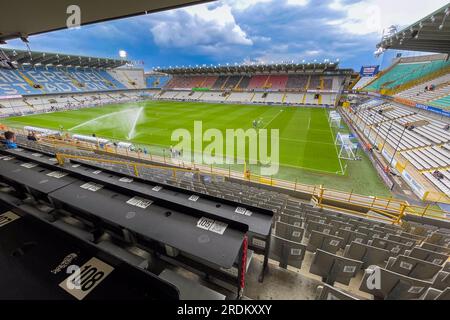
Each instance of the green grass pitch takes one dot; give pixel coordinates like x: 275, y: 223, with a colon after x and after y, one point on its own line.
x: 307, y: 149
x: 306, y: 140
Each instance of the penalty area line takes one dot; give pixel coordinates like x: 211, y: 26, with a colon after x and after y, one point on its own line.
x: 273, y: 119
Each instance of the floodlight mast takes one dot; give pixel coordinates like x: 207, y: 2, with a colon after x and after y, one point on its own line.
x: 388, y: 33
x: 123, y: 54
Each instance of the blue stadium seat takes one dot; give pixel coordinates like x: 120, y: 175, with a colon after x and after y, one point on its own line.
x: 157, y: 82
x: 442, y: 102
x: 42, y: 80
x: 403, y: 73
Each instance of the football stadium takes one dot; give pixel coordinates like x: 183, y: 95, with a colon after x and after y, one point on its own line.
x: 255, y: 180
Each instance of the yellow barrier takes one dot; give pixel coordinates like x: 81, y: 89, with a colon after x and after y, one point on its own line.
x: 319, y: 199
x: 135, y: 165
x: 392, y: 219
x: 389, y: 206
x: 427, y: 211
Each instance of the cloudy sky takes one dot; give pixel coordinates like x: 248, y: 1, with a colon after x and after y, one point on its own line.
x: 236, y: 31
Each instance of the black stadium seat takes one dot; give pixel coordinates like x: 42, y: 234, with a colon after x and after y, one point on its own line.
x: 367, y: 254
x: 333, y: 268
x: 413, y: 267
x: 387, y: 285
x: 327, y: 292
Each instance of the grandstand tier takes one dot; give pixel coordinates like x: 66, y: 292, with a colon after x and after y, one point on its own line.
x: 338, y: 247
x: 336, y: 241
x: 154, y: 81
x: 407, y: 70
x: 421, y: 143
x: 309, y: 89
x: 287, y: 180
x: 43, y: 80
x: 434, y: 92
x: 422, y: 82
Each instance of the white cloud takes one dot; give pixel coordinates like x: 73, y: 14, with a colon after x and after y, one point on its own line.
x: 298, y: 2
x: 312, y: 53
x: 199, y: 26
x: 244, y: 4
x: 372, y: 16
x: 261, y: 39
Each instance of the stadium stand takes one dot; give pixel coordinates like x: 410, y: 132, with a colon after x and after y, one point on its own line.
x: 209, y: 82
x: 183, y: 82
x: 155, y: 81
x: 258, y: 82
x: 277, y: 82
x: 315, y: 83
x: 435, y: 91
x: 42, y: 80
x: 220, y: 82
x: 231, y: 83
x: 421, y: 140
x: 272, y: 98
x: 442, y: 102
x: 244, y: 83
x: 363, y: 82
x: 132, y: 78
x: 411, y: 253
x: 407, y: 70
x: 327, y: 292
x: 285, y: 84
x: 49, y: 103
x: 394, y: 286
x: 334, y: 245
x: 240, y: 97
x: 300, y: 82
x: 187, y: 233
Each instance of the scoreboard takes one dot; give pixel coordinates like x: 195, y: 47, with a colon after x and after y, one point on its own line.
x: 369, y: 71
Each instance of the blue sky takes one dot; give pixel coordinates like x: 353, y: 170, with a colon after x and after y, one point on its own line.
x: 238, y: 31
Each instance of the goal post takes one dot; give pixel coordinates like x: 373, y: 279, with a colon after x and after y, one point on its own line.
x: 348, y: 150
x: 334, y: 119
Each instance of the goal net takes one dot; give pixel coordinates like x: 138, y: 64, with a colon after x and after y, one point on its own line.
x: 348, y: 149
x: 335, y: 119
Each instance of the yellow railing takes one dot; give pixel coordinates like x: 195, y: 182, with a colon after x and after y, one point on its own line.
x: 389, y: 205
x: 386, y: 205
x: 319, y: 194
x: 61, y: 157
x: 427, y: 211
x: 382, y: 216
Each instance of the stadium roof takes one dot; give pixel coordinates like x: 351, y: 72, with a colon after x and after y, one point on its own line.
x: 22, y: 57
x: 19, y: 19
x: 253, y: 68
x: 431, y: 34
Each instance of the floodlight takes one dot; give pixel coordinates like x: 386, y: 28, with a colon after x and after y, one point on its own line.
x: 123, y: 54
